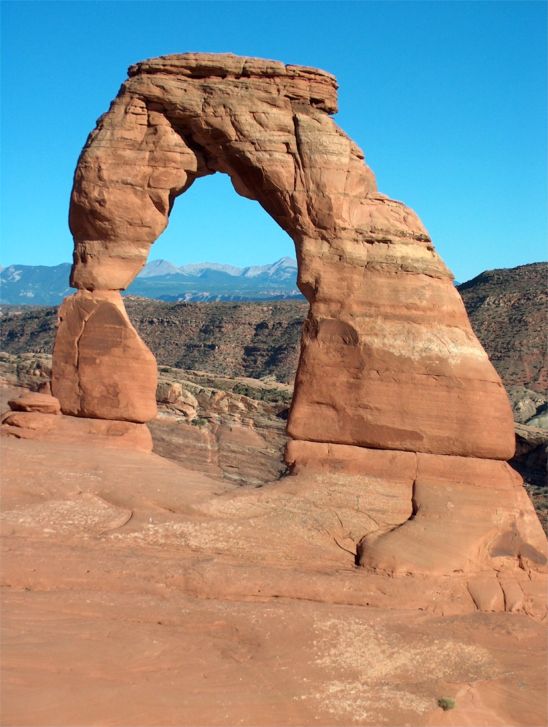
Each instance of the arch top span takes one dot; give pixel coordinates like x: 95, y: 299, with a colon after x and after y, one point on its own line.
x: 268, y: 126
x: 311, y: 85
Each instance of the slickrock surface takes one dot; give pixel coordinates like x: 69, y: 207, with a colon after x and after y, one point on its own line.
x: 136, y: 592
x: 450, y: 525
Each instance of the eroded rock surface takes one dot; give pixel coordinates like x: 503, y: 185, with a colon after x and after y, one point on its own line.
x: 37, y: 416
x: 35, y: 402
x: 101, y: 368
x: 223, y: 426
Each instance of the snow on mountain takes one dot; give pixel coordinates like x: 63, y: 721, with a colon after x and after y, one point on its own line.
x: 12, y: 274
x: 160, y: 279
x: 158, y: 267
x: 200, y: 268
x: 34, y: 284
x: 283, y: 268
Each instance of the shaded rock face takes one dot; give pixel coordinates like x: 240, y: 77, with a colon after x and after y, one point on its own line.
x: 231, y: 428
x: 388, y: 362
x: 507, y: 308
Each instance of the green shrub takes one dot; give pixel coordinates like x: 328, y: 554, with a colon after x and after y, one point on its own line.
x: 272, y: 396
x: 199, y: 422
x: 446, y: 703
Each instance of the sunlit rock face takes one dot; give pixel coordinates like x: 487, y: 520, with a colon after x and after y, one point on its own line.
x: 389, y: 364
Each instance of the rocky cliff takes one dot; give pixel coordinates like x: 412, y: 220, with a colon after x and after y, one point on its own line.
x: 507, y: 309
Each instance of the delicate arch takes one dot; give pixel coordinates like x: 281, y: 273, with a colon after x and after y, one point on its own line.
x: 388, y: 357
x: 391, y: 383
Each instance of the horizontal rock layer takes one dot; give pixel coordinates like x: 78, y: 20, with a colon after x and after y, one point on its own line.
x: 76, y: 430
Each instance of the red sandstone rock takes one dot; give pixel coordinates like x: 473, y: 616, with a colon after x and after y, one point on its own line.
x: 101, y: 368
x: 313, y: 457
x: 469, y: 515
x: 121, y: 568
x: 464, y: 515
x: 35, y: 422
x: 37, y: 402
x: 389, y: 359
x: 77, y: 430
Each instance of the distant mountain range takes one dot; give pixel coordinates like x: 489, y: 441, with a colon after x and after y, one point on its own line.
x: 34, y: 284
x: 161, y: 280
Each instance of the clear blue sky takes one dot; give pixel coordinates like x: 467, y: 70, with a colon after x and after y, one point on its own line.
x: 447, y: 99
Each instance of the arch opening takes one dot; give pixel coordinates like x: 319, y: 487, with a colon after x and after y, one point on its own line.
x: 211, y: 222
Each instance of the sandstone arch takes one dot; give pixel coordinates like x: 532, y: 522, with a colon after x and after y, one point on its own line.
x: 389, y: 362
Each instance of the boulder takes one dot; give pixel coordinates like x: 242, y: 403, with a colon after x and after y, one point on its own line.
x: 172, y: 392
x: 37, y: 402
x: 526, y: 403
x: 101, y: 368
